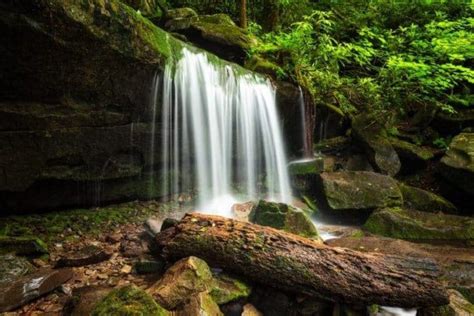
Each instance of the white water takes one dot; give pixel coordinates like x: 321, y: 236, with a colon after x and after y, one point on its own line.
x: 220, y: 128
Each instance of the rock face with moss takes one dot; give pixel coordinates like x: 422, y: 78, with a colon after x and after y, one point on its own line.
x: 216, y: 33
x: 421, y: 226
x: 227, y: 289
x: 129, y: 300
x: 284, y: 217
x: 421, y: 200
x: 458, y: 306
x: 458, y: 163
x: 75, y: 104
x: 358, y: 190
x: 371, y: 134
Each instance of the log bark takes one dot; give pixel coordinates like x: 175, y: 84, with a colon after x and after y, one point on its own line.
x: 297, y: 264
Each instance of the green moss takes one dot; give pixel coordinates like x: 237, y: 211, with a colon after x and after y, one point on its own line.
x: 23, y: 245
x: 227, y: 289
x: 421, y: 200
x: 411, y: 151
x: 129, y: 301
x: 415, y: 225
x: 264, y: 66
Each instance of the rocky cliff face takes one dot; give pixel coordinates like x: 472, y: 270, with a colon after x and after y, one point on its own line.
x: 76, y: 79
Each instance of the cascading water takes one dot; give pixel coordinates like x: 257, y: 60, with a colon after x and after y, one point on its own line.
x: 221, y: 134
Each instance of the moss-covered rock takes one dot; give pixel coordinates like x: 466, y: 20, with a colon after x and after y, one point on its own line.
x: 311, y: 166
x: 283, y: 216
x: 458, y: 306
x: 421, y: 200
x: 149, y: 8
x: 200, y: 304
x: 411, y: 152
x: 334, y: 144
x: 422, y: 226
x: 227, y: 289
x: 23, y: 245
x: 216, y: 33
x: 370, y: 133
x: 356, y: 190
x: 187, y: 277
x: 264, y: 66
x: 181, y: 13
x: 129, y: 301
x: 458, y: 163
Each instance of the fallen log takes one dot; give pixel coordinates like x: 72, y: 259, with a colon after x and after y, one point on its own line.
x: 297, y: 264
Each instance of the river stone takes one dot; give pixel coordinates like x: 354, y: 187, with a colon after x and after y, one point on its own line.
x: 184, y: 279
x: 283, y: 216
x: 23, y: 245
x: 458, y: 306
x: 356, y: 190
x: 31, y: 286
x: 200, y: 304
x: 371, y: 134
x: 13, y: 267
x: 129, y: 300
x: 84, y: 300
x: 420, y: 226
x: 87, y: 255
x: 421, y: 200
x: 458, y: 163
x: 226, y: 289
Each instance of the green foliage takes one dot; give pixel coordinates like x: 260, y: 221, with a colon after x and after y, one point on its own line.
x: 442, y: 142
x: 377, y: 55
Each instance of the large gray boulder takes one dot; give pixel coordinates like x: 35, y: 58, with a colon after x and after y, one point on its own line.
x: 370, y: 133
x: 458, y: 163
x: 360, y: 190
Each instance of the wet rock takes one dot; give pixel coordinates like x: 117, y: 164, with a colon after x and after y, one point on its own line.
x: 371, y: 134
x: 306, y: 167
x: 226, y: 289
x: 148, y: 266
x: 200, y: 304
x: 421, y: 200
x: 420, y: 226
x: 23, y: 245
x: 458, y: 163
x: 241, y: 211
x: 216, y: 33
x: 128, y: 300
x: 84, y: 300
x: 167, y: 223
x: 458, y: 306
x: 187, y: 277
x: 31, y: 286
x: 87, y: 255
x: 356, y: 190
x: 284, y: 217
x: 13, y: 267
x: 250, y: 310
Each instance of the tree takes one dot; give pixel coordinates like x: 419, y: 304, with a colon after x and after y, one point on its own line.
x: 243, y: 14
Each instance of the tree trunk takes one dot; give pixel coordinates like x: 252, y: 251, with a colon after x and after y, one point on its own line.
x: 297, y: 264
x: 243, y: 14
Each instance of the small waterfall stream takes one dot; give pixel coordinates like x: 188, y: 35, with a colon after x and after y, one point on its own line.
x: 221, y: 134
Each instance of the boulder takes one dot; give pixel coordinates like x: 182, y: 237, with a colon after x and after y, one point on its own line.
x: 13, y: 267
x: 250, y: 310
x: 200, y: 304
x: 227, y: 289
x: 264, y: 66
x: 85, y: 256
x: 128, y: 300
x: 305, y: 167
x: 333, y: 145
x: 241, y: 211
x: 458, y: 306
x: 358, y: 190
x: 28, y: 246
x: 370, y: 133
x: 216, y: 33
x: 458, y: 163
x: 187, y: 277
x: 180, y: 13
x: 149, y: 8
x: 420, y: 226
x: 411, y: 152
x: 421, y: 200
x: 31, y: 286
x: 84, y: 300
x: 283, y: 216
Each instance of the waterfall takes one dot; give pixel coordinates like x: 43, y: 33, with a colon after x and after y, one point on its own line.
x: 221, y: 134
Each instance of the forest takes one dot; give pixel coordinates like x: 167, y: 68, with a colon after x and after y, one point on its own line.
x: 237, y: 157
